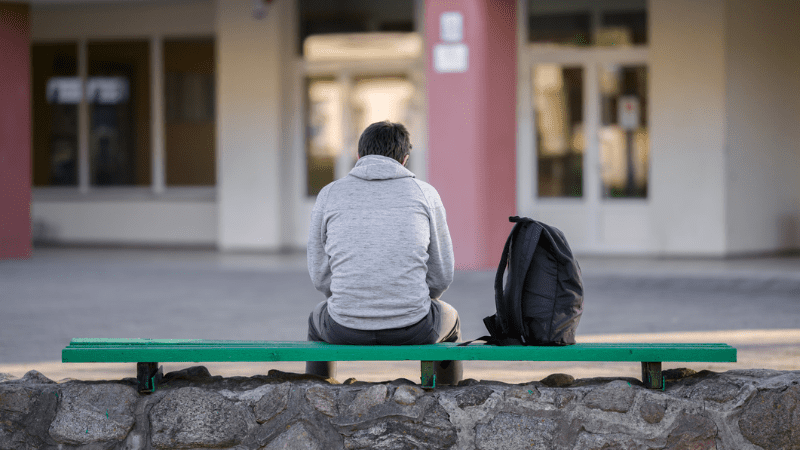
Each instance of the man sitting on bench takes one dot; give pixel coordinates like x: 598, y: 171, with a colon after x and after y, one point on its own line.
x: 380, y: 250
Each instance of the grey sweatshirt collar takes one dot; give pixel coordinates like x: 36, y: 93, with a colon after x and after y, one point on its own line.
x: 376, y: 167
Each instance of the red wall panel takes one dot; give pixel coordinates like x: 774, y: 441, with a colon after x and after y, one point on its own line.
x: 15, y: 131
x: 472, y: 128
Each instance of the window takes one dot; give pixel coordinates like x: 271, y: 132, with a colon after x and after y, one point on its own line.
x: 323, y: 17
x: 623, y: 135
x: 561, y: 28
x: 631, y: 26
x: 55, y: 114
x: 324, y: 138
x: 118, y: 93
x: 560, y: 143
x: 584, y: 23
x: 189, y: 112
x: 119, y: 125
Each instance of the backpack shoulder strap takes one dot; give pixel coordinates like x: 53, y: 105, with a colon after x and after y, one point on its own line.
x: 517, y: 256
x: 497, y: 324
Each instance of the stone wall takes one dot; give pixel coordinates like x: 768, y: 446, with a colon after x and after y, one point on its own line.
x: 745, y: 409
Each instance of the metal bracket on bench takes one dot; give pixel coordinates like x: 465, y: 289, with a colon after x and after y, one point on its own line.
x: 651, y: 375
x: 148, y: 374
x: 428, y: 379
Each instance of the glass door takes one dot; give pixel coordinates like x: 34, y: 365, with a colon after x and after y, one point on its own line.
x: 588, y: 163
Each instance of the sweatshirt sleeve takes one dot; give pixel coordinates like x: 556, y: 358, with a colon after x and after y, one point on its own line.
x: 318, y: 262
x: 440, y: 249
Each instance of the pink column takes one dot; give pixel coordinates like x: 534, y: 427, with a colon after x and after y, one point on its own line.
x: 472, y: 125
x: 15, y: 131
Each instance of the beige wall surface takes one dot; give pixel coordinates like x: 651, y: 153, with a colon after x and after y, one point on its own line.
x: 248, y: 126
x: 128, y: 19
x: 134, y: 222
x: 687, y: 67
x: 763, y: 126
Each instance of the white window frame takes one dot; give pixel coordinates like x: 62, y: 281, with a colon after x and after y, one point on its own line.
x: 157, y: 190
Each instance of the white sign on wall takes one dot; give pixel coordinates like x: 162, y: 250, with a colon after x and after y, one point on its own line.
x: 628, y: 112
x: 450, y: 58
x: 107, y: 90
x: 64, y: 90
x: 453, y: 55
x: 451, y: 26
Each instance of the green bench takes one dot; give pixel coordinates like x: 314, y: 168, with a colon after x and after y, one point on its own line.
x: 147, y: 353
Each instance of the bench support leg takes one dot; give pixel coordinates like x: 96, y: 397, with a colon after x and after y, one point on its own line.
x: 428, y: 374
x: 651, y: 375
x: 149, y: 375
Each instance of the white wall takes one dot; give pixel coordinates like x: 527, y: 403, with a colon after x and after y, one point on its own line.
x: 146, y: 222
x: 687, y: 73
x: 763, y: 130
x: 248, y: 126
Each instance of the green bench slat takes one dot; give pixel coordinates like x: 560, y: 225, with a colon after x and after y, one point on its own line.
x: 199, y: 350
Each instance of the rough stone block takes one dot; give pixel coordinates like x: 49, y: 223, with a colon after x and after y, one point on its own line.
x: 407, y: 395
x: 26, y: 412
x: 323, y: 399
x: 610, y: 441
x: 432, y: 429
x: 35, y: 377
x: 192, y: 417
x: 273, y: 402
x: 6, y: 377
x: 473, y: 396
x: 558, y: 380
x: 562, y: 399
x: 513, y: 431
x: 692, y: 431
x: 718, y: 391
x: 527, y: 393
x: 652, y: 412
x: 615, y: 396
x: 296, y: 437
x: 94, y: 412
x: 772, y: 419
x: 367, y: 398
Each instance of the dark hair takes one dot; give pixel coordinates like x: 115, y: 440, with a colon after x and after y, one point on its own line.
x: 385, y: 139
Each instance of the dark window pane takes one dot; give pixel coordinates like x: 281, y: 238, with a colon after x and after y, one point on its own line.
x: 55, y: 116
x: 624, y: 134
x: 561, y: 28
x: 634, y: 24
x: 323, y: 131
x: 119, y: 128
x: 189, y: 112
x: 560, y: 142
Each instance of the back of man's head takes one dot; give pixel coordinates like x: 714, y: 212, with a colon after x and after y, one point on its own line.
x: 385, y: 139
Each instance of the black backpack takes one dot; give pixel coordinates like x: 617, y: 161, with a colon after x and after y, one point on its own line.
x: 542, y: 301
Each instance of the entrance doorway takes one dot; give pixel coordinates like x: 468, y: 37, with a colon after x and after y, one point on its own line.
x: 583, y: 145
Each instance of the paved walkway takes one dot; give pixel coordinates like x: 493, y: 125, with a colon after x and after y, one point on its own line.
x: 61, y: 293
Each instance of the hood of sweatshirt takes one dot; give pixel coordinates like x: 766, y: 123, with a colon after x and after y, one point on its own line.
x: 376, y: 167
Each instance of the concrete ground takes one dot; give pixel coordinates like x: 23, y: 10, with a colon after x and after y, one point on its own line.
x: 63, y: 293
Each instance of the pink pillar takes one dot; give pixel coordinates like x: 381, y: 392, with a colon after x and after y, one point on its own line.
x: 15, y: 131
x: 472, y: 123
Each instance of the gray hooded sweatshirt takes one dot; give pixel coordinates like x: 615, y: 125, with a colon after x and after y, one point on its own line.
x: 379, y: 247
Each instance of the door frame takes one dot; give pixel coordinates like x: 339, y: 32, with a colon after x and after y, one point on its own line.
x: 591, y: 207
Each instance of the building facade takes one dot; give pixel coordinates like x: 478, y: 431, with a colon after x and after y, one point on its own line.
x: 643, y: 127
